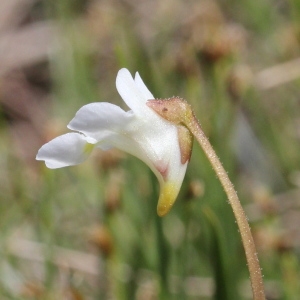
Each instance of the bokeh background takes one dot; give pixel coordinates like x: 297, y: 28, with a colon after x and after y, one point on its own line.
x: 91, y: 231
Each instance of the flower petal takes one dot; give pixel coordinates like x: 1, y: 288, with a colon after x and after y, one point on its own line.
x: 99, y: 120
x: 130, y: 92
x: 66, y: 150
x: 156, y: 143
x: 140, y: 132
x: 142, y: 87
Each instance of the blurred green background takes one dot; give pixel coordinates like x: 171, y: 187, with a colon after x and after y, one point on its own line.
x: 91, y: 231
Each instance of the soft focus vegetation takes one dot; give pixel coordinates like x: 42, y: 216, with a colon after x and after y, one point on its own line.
x: 91, y: 231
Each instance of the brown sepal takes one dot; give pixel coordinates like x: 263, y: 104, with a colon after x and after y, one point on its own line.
x: 185, y: 139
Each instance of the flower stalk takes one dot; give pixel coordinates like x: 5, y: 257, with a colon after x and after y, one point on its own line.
x: 179, y: 112
x: 160, y: 133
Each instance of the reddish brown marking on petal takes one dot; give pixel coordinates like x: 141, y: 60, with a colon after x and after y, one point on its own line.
x: 163, y: 170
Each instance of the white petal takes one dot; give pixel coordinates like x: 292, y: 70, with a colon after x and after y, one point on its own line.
x: 130, y: 93
x: 153, y: 140
x: 142, y: 87
x: 66, y: 150
x: 100, y: 120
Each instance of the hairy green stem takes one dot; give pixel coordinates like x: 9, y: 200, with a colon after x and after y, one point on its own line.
x: 241, y: 219
x: 179, y: 112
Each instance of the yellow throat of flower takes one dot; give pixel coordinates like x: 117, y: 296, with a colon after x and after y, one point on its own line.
x: 167, y: 197
x: 88, y: 148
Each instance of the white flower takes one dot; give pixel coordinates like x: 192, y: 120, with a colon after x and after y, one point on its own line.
x: 139, y: 131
